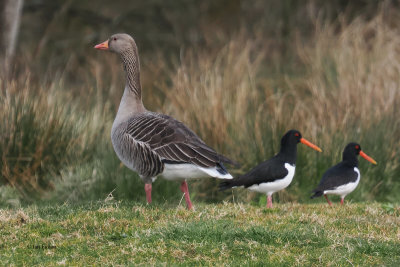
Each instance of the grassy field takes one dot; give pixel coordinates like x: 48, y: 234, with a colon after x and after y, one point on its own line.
x: 111, y: 232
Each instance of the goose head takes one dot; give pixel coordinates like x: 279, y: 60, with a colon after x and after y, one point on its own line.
x: 118, y: 43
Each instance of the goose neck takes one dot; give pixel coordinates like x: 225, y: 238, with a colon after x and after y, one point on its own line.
x: 130, y: 60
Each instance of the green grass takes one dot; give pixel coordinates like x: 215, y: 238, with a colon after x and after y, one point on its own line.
x: 225, y: 234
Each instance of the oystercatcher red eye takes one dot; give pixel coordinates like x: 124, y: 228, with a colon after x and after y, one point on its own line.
x: 357, y: 147
x: 296, y: 134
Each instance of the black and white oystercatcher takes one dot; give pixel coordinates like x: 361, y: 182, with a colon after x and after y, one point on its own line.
x: 154, y: 144
x: 344, y: 177
x: 274, y: 174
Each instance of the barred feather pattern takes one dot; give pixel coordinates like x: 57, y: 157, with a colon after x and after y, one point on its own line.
x: 131, y: 64
x: 148, y: 140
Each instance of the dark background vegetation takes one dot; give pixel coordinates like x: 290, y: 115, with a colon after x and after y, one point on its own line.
x: 239, y: 73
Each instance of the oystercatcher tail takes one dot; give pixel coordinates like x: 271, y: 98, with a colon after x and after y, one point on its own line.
x: 274, y: 174
x: 344, y: 177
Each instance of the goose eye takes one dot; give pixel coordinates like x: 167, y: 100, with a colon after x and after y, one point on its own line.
x: 115, y: 38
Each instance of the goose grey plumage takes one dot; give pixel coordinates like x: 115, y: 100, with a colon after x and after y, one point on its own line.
x: 154, y: 144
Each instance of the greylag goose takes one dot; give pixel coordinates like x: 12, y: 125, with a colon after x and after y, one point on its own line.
x: 154, y: 144
x: 274, y: 174
x: 344, y: 177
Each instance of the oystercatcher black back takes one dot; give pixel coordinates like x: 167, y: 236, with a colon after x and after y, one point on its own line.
x: 344, y: 177
x: 274, y: 174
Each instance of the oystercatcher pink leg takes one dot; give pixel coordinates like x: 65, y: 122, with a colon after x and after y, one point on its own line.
x: 185, y: 190
x: 341, y: 201
x: 147, y: 188
x: 330, y: 203
x: 269, y: 202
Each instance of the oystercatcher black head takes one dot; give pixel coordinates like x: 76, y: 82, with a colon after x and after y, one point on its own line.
x: 289, y: 145
x: 344, y: 177
x: 274, y: 174
x: 291, y: 138
x: 350, y: 153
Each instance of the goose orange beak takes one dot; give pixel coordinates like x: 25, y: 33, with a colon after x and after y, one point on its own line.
x: 365, y: 156
x: 308, y: 143
x: 102, y: 46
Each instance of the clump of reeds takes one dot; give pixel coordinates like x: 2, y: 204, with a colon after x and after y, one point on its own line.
x: 43, y: 130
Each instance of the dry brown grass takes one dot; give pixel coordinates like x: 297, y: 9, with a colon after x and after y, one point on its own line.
x: 344, y: 88
x: 353, y: 75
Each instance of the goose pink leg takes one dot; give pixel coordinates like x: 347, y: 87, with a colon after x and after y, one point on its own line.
x: 185, y: 190
x: 330, y: 203
x: 147, y: 188
x: 341, y: 201
x: 269, y: 202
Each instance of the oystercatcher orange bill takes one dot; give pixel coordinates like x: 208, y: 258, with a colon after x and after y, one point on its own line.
x: 365, y: 156
x: 102, y: 46
x: 308, y: 143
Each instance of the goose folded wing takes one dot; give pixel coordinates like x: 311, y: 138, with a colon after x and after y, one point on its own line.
x: 171, y: 140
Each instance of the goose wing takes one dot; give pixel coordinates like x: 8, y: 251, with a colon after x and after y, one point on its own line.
x: 171, y: 140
